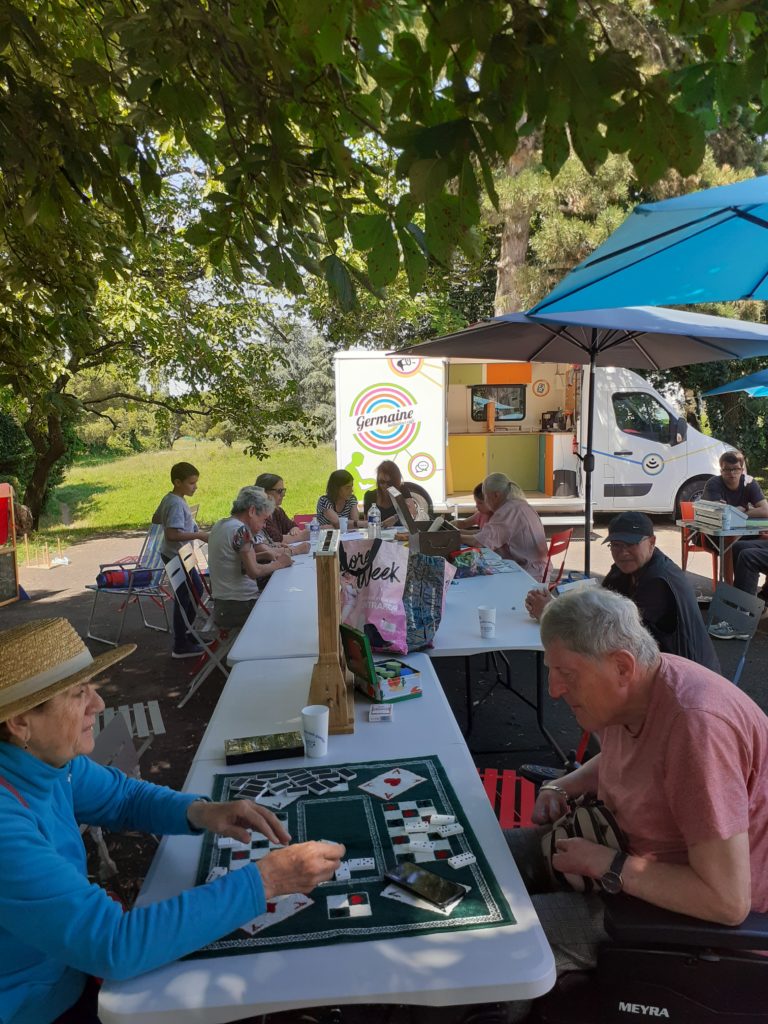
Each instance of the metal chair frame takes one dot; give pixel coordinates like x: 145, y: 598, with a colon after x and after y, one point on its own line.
x: 215, y: 644
x: 742, y: 611
x: 558, y: 542
x: 148, y: 560
x: 689, y: 545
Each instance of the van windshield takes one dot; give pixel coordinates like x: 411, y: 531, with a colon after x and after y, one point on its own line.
x: 641, y: 415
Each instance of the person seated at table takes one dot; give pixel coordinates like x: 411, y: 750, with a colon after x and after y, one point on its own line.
x: 388, y: 475
x: 280, y: 528
x: 480, y: 516
x: 338, y: 500
x: 237, y: 561
x: 660, y: 589
x: 514, y: 529
x: 733, y: 488
x: 683, y: 768
x: 58, y: 931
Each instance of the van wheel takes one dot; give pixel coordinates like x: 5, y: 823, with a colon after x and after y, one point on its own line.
x: 690, y: 491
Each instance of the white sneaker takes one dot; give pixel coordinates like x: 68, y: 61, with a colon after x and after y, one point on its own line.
x: 725, y: 631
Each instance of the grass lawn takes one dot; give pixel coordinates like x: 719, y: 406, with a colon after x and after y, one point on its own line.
x: 121, y: 494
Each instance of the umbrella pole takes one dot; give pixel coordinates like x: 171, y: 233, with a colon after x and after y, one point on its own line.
x: 589, y: 459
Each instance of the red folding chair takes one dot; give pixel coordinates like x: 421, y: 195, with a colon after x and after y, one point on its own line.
x: 558, y: 544
x: 512, y: 797
x: 691, y: 542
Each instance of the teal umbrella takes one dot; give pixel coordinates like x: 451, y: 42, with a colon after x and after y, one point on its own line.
x: 709, y: 246
x: 755, y: 384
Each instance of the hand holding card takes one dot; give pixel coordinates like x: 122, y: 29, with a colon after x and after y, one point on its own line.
x: 299, y: 868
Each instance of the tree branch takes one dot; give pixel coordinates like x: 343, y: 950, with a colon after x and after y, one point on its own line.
x: 163, y: 404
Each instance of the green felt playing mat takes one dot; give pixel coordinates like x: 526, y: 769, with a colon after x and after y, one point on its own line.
x: 371, y: 822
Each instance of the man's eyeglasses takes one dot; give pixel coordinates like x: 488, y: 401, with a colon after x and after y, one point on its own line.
x: 279, y: 490
x: 620, y: 545
x: 732, y: 469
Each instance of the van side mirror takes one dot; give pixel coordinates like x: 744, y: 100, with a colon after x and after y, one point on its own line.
x: 680, y: 430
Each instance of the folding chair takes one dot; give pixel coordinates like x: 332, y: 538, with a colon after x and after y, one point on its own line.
x: 113, y: 748
x: 148, y: 560
x: 740, y: 610
x: 202, y: 595
x: 512, y: 797
x: 558, y: 544
x: 691, y: 543
x: 144, y: 722
x: 215, y: 644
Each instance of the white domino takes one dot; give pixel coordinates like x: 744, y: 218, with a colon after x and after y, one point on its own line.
x: 421, y: 844
x: 449, y: 830
x: 417, y: 825
x: 460, y: 860
x: 343, y: 872
x: 442, y: 819
x: 361, y: 864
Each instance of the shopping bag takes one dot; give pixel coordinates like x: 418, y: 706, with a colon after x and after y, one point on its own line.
x: 373, y: 575
x: 424, y: 598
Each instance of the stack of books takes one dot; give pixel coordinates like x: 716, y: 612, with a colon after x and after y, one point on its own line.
x: 714, y: 515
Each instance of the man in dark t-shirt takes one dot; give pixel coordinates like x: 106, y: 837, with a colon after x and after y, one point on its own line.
x: 750, y: 556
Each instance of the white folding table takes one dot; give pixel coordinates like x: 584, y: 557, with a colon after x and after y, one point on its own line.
x: 441, y: 969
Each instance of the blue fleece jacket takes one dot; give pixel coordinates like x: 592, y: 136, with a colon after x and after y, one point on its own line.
x: 55, y: 926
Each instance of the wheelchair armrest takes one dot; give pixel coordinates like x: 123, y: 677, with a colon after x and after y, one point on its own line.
x: 629, y: 920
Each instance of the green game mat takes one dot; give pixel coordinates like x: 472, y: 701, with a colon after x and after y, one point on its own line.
x: 371, y: 827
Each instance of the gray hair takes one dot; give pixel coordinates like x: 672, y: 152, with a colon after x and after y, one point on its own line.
x: 593, y: 621
x: 499, y: 483
x: 252, y: 497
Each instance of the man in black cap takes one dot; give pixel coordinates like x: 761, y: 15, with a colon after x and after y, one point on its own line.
x: 658, y: 587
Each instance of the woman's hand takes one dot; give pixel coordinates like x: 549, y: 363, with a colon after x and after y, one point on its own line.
x: 299, y: 868
x: 233, y: 818
x: 536, y: 601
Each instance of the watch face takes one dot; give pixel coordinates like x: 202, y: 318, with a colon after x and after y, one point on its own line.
x: 611, y: 883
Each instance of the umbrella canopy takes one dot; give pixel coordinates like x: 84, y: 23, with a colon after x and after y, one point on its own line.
x: 755, y: 384
x: 709, y: 246
x: 636, y: 338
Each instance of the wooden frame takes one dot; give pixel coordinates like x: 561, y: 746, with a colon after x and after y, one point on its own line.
x: 331, y: 683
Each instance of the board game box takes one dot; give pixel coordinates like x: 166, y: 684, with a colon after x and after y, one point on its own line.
x: 386, y: 813
x: 387, y: 680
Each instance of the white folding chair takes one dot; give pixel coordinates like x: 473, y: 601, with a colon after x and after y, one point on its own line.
x: 144, y: 722
x: 215, y: 644
x: 188, y: 556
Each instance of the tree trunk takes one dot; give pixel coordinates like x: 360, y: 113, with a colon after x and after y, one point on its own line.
x: 49, y: 445
x: 514, y: 236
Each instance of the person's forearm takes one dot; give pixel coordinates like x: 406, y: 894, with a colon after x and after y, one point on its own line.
x: 583, y: 780
x: 677, y: 887
x: 173, y: 534
x: 757, y: 511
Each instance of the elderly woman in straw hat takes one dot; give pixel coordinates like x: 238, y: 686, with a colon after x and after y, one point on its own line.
x: 57, y: 930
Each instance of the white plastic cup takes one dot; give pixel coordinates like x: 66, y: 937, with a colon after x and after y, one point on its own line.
x: 314, y: 721
x: 343, y: 524
x: 487, y: 617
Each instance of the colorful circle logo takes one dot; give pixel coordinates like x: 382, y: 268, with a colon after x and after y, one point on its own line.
x: 405, y: 366
x: 541, y: 388
x: 385, y: 418
x: 421, y: 466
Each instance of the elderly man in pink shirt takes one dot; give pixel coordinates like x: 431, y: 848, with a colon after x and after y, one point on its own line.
x: 514, y: 530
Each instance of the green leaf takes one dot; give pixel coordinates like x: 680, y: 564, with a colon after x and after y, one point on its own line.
x: 369, y: 230
x: 554, y: 147
x: 31, y: 209
x: 198, y: 234
x: 384, y: 260
x: 427, y: 177
x: 339, y: 282
x: 414, y: 261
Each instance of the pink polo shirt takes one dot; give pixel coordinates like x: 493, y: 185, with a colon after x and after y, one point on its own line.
x: 698, y: 770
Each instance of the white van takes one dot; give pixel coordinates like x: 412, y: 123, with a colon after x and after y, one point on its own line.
x: 448, y: 423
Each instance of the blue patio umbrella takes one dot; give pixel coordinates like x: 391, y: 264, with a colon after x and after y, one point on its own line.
x: 635, y: 337
x: 755, y: 384
x: 709, y: 246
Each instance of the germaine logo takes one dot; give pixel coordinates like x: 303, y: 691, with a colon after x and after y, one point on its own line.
x: 385, y: 418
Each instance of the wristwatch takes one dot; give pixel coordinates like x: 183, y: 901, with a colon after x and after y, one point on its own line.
x: 611, y: 881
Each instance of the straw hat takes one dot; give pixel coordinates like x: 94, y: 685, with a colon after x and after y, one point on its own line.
x: 42, y: 658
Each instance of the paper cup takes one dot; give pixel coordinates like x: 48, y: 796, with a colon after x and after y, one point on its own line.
x: 314, y: 721
x: 487, y: 617
x: 487, y: 630
x: 343, y: 524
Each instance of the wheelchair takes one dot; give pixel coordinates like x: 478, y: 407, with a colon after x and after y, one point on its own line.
x: 667, y: 967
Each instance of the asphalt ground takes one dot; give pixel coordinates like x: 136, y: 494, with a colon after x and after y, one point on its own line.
x: 504, y: 735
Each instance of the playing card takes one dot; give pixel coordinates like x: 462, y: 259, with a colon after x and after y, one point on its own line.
x: 394, y: 892
x: 214, y: 873
x: 278, y: 909
x: 352, y: 904
x: 276, y: 803
x: 392, y: 783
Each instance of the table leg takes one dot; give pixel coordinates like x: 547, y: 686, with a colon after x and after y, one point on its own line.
x: 468, y: 694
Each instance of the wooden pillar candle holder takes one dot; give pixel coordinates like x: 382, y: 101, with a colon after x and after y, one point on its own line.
x: 330, y: 685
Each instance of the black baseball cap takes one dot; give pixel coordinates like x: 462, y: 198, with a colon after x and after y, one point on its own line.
x: 629, y: 528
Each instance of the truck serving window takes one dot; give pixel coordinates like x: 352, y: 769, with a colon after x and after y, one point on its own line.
x: 509, y: 399
x: 641, y: 415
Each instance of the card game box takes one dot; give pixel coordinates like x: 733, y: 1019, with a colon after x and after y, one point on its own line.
x: 384, y: 681
x: 263, y: 748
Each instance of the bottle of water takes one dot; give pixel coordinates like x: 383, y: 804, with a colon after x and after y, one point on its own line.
x: 374, y: 522
x: 314, y: 534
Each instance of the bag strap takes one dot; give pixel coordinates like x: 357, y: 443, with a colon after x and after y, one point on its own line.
x: 344, y: 564
x: 16, y: 793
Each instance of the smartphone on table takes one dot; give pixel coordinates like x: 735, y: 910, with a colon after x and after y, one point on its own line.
x: 426, y: 884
